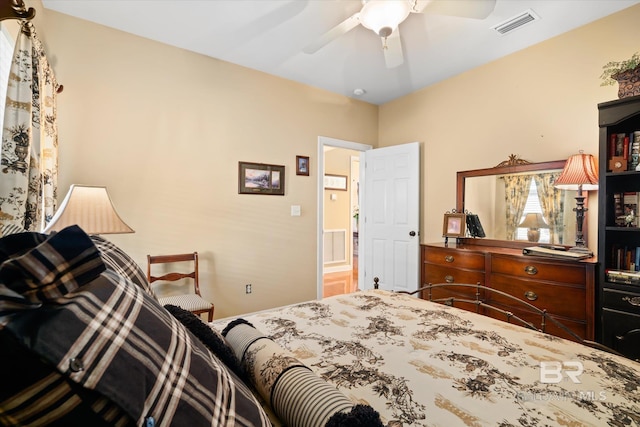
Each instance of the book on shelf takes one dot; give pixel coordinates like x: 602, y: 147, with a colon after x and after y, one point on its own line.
x: 626, y: 146
x: 620, y: 144
x: 634, y: 151
x: 625, y: 258
x: 625, y: 150
x: 618, y: 209
x: 555, y: 252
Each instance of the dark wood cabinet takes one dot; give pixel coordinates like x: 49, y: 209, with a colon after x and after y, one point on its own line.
x: 618, y: 241
x: 565, y: 288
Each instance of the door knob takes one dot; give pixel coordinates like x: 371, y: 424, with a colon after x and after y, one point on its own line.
x: 412, y: 233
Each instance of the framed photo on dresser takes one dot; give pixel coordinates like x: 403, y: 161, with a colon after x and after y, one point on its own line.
x: 454, y: 225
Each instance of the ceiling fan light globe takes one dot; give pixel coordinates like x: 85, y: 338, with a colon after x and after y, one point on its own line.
x: 383, y: 16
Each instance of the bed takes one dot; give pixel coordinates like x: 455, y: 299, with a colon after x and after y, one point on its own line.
x: 421, y: 363
x: 84, y: 341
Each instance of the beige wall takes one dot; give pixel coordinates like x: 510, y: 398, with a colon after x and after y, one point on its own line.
x: 164, y: 129
x: 539, y: 103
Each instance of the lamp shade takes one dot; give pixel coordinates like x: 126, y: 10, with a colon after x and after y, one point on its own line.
x: 91, y: 209
x: 384, y: 16
x: 533, y: 220
x: 579, y: 170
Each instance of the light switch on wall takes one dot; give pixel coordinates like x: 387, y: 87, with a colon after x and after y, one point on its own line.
x: 333, y: 196
x: 295, y: 210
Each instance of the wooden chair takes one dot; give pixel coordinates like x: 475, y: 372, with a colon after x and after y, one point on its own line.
x: 192, y: 302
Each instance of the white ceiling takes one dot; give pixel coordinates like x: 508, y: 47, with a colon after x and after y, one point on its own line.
x: 270, y: 35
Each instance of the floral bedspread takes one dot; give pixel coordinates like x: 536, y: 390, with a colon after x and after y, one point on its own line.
x: 420, y: 363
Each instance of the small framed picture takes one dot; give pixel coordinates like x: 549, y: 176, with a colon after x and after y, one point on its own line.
x: 302, y: 165
x: 335, y: 182
x: 454, y: 225
x: 260, y: 178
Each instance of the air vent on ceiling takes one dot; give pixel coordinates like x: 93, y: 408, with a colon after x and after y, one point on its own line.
x: 516, y: 22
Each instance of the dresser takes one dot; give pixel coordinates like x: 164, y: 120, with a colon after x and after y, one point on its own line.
x: 565, y: 288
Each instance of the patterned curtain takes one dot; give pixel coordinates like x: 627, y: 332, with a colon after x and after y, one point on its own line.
x: 29, y: 157
x: 515, y: 195
x: 552, y: 204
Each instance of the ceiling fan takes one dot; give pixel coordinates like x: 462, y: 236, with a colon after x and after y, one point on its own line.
x: 383, y: 17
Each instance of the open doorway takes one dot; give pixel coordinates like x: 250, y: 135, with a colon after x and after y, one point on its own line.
x: 341, y: 215
x: 338, y: 213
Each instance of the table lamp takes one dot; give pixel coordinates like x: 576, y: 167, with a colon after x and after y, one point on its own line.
x: 89, y: 207
x: 580, y: 173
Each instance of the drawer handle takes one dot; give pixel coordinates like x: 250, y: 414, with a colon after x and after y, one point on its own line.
x: 531, y: 296
x: 448, y: 258
x: 531, y: 269
x: 633, y: 301
x: 448, y: 279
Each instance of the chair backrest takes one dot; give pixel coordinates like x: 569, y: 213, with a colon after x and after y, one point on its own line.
x: 173, y: 276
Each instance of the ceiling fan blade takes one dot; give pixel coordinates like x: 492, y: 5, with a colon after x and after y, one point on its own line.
x: 392, y: 47
x: 342, y: 28
x: 476, y: 9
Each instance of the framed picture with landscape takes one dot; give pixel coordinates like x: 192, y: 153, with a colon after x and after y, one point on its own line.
x: 260, y: 178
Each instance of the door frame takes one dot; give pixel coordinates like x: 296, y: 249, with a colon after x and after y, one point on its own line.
x: 338, y: 143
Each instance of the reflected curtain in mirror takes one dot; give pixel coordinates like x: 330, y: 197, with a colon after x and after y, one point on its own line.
x: 516, y: 194
x: 552, y: 204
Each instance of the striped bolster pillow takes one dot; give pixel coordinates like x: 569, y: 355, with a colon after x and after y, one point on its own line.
x: 295, y: 393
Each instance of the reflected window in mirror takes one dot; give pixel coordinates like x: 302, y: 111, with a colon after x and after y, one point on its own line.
x: 533, y: 219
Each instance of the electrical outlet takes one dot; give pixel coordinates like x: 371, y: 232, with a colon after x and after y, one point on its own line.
x: 247, y: 288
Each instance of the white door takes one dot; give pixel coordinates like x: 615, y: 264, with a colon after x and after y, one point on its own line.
x: 390, y: 242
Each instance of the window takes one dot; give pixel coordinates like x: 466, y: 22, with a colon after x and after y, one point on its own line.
x: 6, y: 53
x: 532, y: 206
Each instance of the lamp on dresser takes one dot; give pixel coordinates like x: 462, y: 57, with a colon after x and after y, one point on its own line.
x: 89, y: 207
x: 533, y: 222
x: 580, y: 173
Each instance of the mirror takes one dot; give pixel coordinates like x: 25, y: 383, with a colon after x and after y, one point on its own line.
x: 483, y: 192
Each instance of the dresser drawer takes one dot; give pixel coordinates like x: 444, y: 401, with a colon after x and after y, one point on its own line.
x: 442, y: 274
x: 559, y: 300
x: 621, y: 300
x: 454, y: 258
x: 536, y: 269
x: 451, y: 279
